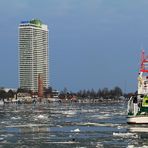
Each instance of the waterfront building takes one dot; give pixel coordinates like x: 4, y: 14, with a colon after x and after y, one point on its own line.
x: 33, y: 55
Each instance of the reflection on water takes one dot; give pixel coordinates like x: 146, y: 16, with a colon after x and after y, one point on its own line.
x: 69, y: 125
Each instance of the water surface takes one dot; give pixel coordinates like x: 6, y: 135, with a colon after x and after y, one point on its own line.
x: 69, y: 125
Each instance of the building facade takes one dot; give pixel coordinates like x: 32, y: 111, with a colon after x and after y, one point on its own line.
x: 33, y: 54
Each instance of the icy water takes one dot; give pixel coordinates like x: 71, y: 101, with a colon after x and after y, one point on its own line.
x: 68, y: 125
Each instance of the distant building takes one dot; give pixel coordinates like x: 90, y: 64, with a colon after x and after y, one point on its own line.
x: 33, y: 54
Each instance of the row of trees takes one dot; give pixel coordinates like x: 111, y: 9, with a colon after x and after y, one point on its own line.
x: 101, y: 93
x: 6, y: 95
x: 104, y: 93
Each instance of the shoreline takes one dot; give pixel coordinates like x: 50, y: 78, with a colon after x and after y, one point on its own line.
x: 48, y: 101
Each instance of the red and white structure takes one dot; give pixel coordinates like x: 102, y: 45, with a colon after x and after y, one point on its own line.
x: 143, y: 75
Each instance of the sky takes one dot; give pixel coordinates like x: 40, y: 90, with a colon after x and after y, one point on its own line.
x: 92, y: 43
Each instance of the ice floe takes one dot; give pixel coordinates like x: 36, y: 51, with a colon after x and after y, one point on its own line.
x: 125, y: 135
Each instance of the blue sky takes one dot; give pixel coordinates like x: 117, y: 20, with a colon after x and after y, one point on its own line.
x: 92, y: 43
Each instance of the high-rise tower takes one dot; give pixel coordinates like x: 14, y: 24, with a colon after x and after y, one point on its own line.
x: 33, y: 54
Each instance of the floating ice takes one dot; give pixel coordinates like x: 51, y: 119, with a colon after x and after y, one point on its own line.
x: 99, y: 145
x: 119, y: 127
x: 76, y: 130
x: 97, y: 124
x: 1, y: 138
x: 132, y: 146
x: 15, y: 118
x: 101, y: 116
x: 64, y: 142
x: 41, y: 117
x: 126, y: 135
x: 138, y: 129
x: 70, y: 112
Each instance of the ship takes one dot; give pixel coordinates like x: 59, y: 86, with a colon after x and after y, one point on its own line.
x: 137, y: 108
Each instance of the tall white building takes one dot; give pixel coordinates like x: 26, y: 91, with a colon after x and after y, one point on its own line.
x: 33, y: 54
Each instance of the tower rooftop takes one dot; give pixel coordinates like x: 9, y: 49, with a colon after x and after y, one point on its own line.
x: 34, y: 22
